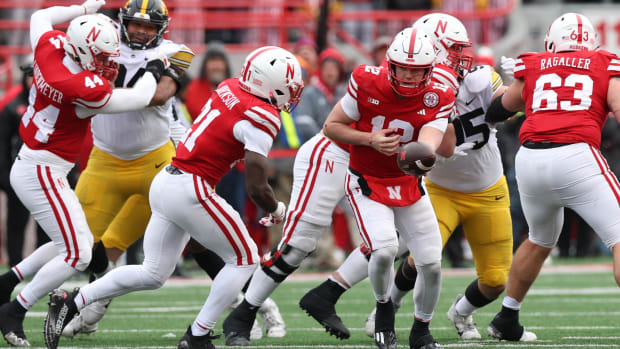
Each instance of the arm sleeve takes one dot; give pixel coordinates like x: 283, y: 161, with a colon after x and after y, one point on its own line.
x: 349, y: 101
x: 440, y: 124
x: 254, y: 139
x: 124, y: 99
x: 42, y: 20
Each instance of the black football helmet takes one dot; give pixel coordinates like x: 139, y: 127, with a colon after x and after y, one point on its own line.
x: 147, y: 11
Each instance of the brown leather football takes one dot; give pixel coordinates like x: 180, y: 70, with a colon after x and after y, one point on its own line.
x: 413, y: 152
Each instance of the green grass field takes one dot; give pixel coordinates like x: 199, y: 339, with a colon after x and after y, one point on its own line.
x: 570, y: 307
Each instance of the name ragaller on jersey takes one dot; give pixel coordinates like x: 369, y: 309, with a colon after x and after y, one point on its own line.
x: 227, y: 96
x: 43, y: 87
x: 573, y: 62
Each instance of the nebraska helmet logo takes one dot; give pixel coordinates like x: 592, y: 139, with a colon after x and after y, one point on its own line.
x: 93, y: 35
x: 431, y: 99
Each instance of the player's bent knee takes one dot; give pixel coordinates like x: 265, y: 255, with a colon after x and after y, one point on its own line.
x: 85, y: 256
x: 280, y: 263
x: 431, y: 270
x: 494, y: 278
x: 384, y: 255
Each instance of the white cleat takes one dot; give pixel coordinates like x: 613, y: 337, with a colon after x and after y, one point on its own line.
x: 528, y: 336
x: 369, y: 327
x: 87, y: 321
x: 16, y: 340
x: 257, y: 331
x: 465, y: 325
x: 274, y: 323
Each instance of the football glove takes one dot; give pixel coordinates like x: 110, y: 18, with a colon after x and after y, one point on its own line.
x: 508, y: 65
x: 92, y: 6
x: 459, y: 151
x: 275, y: 217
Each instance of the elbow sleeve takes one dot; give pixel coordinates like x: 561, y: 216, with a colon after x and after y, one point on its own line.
x: 497, y: 112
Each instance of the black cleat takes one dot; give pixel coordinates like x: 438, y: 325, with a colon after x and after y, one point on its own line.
x: 5, y: 293
x: 12, y: 326
x: 509, y: 328
x: 385, y: 339
x: 189, y: 341
x: 423, y: 342
x: 61, y: 310
x: 238, y: 325
x: 324, y: 312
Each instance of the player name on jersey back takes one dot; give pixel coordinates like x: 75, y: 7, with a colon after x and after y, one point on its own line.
x: 572, y: 62
x: 43, y: 87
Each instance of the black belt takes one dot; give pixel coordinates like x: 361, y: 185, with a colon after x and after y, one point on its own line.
x: 173, y: 170
x: 543, y: 145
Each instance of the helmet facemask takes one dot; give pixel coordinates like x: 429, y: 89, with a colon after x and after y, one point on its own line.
x: 460, y: 58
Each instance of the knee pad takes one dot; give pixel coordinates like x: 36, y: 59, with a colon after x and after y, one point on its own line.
x: 282, y: 262
x: 384, y: 255
x: 494, y: 277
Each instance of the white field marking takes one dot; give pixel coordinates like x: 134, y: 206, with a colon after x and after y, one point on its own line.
x: 612, y: 337
x: 321, y: 329
x: 573, y: 291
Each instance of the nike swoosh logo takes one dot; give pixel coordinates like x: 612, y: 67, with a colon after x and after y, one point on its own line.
x: 499, y: 197
x: 468, y: 103
x: 159, y: 165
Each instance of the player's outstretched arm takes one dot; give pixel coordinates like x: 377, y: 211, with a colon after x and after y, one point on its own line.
x: 613, y: 97
x: 259, y: 190
x: 337, y: 128
x: 448, y: 142
x: 123, y: 99
x: 506, y: 105
x: 42, y: 20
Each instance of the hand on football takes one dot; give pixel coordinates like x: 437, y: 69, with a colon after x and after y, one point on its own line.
x: 275, y: 217
x: 508, y: 65
x: 385, y: 141
x: 92, y: 6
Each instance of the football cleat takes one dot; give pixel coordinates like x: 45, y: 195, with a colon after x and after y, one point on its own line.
x: 385, y: 339
x: 324, y: 312
x: 12, y: 326
x: 87, y: 320
x: 509, y: 329
x: 61, y: 310
x: 257, y: 331
x: 189, y: 341
x: 465, y: 325
x: 369, y: 326
x: 423, y: 342
x: 237, y: 327
x: 274, y: 323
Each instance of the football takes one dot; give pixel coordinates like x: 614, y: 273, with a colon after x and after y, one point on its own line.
x: 416, y: 158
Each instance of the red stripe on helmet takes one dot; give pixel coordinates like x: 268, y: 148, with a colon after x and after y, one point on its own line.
x: 414, y: 33
x: 247, y: 66
x: 579, y: 29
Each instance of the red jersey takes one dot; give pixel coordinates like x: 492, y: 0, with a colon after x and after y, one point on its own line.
x: 379, y: 107
x: 50, y: 123
x: 565, y: 95
x: 212, y: 146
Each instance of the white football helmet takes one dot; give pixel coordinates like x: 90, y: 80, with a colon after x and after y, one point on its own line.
x: 411, y: 49
x: 571, y: 32
x: 450, y: 38
x: 91, y: 41
x: 274, y: 74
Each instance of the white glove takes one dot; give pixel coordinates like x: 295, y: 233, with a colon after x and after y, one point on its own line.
x: 459, y: 151
x: 508, y: 65
x: 92, y: 6
x: 274, y: 217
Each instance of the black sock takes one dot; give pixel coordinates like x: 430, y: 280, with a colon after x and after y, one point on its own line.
x: 9, y: 280
x: 330, y: 290
x: 247, y: 308
x: 384, y: 319
x: 509, y: 313
x: 210, y: 262
x: 475, y: 297
x: 98, y: 263
x: 16, y: 308
x: 405, y: 276
x: 420, y: 326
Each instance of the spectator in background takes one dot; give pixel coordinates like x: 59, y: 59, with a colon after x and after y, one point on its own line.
x: 306, y: 48
x: 379, y: 48
x: 10, y: 143
x: 214, y: 69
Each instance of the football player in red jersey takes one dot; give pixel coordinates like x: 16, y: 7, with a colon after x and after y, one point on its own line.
x: 239, y: 122
x: 71, y: 82
x: 391, y: 107
x: 567, y: 93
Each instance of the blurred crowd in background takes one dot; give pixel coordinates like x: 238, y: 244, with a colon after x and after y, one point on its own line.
x: 326, y: 74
